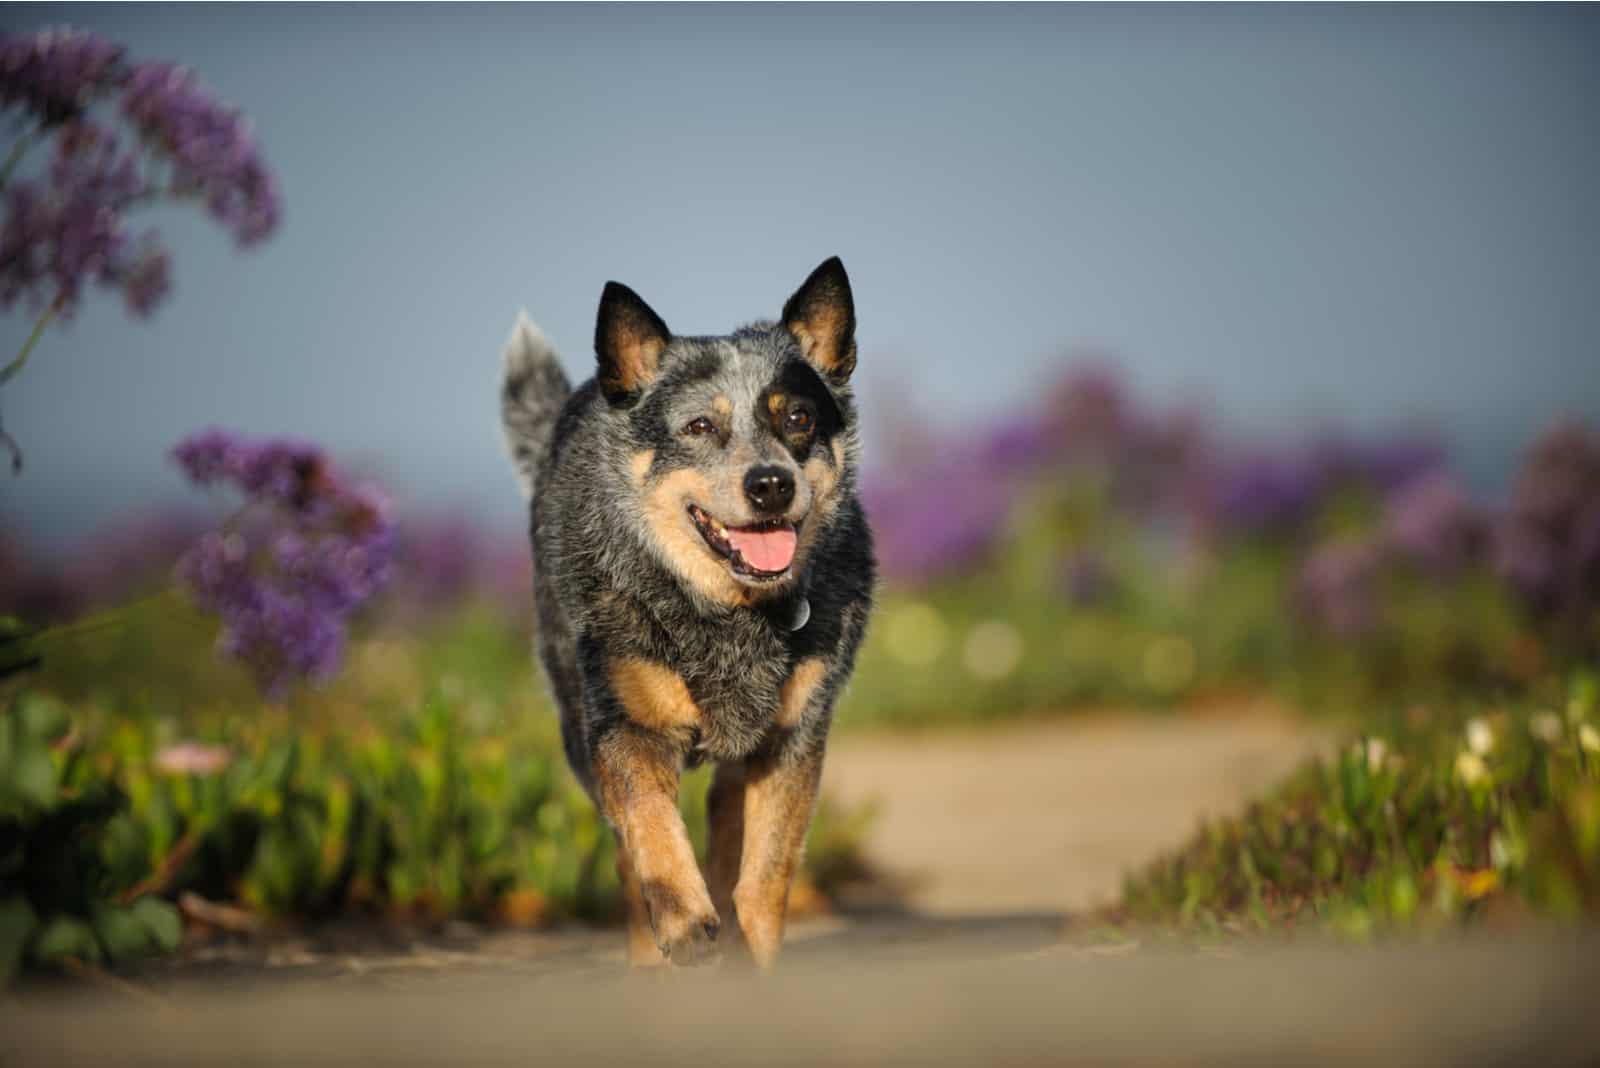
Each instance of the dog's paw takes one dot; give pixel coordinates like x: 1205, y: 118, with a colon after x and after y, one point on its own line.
x: 689, y: 939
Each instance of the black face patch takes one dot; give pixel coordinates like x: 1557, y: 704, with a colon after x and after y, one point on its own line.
x: 799, y: 386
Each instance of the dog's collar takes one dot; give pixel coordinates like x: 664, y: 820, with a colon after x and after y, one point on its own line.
x: 791, y: 613
x: 799, y: 613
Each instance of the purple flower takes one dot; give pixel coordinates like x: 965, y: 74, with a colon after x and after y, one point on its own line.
x: 1019, y: 446
x: 1396, y: 462
x: 1337, y: 586
x: 130, y: 557
x: 147, y: 279
x: 210, y: 146
x: 59, y: 235
x: 1089, y: 407
x: 1547, y: 544
x: 304, y: 554
x: 56, y: 74
x: 936, y: 520
x: 1433, y: 524
x: 282, y: 470
x: 30, y: 588
x: 1264, y: 492
x: 68, y: 226
x: 443, y: 561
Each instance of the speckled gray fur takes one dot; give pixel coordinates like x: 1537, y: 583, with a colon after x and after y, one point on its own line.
x: 602, y: 585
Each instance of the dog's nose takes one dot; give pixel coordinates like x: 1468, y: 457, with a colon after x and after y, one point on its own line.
x: 770, y: 489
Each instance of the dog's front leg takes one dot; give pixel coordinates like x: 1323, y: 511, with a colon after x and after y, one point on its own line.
x: 779, y: 793
x: 637, y: 775
x: 725, y: 845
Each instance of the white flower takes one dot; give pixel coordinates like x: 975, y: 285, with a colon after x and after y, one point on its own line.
x: 1589, y: 738
x: 1471, y: 769
x: 1480, y: 736
x: 1546, y: 726
x: 1377, y: 754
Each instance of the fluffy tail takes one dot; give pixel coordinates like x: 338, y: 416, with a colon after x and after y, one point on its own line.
x: 535, y: 388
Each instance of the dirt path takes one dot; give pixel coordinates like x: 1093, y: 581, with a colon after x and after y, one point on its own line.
x: 1046, y: 818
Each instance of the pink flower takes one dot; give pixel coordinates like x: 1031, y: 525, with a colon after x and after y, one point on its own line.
x: 192, y: 758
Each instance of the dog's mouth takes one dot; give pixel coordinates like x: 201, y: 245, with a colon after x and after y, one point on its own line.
x: 760, y: 551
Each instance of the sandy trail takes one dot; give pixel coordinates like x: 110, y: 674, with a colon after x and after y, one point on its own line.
x: 1047, y: 817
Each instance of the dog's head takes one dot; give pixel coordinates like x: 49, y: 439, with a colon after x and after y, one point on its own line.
x: 740, y: 448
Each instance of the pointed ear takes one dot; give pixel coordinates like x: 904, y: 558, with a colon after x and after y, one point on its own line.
x: 628, y: 342
x: 822, y: 317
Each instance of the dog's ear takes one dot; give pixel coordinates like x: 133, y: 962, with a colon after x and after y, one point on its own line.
x: 822, y: 317
x: 628, y: 341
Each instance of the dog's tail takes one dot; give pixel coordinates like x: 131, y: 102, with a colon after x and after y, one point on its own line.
x: 531, y: 397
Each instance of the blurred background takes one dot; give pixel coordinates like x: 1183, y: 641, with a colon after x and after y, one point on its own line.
x: 1342, y: 215
x: 1211, y: 358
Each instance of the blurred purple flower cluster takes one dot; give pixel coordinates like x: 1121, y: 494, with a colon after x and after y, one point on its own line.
x: 61, y: 233
x: 1433, y: 524
x: 949, y: 502
x: 56, y: 74
x: 1280, y: 490
x: 444, y: 561
x: 209, y: 146
x: 305, y: 551
x: 1547, y: 543
x: 943, y: 505
x: 1337, y: 585
x: 1350, y: 511
x: 67, y: 226
x: 125, y: 559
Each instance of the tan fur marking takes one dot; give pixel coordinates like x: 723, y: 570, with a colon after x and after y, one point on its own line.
x: 722, y: 405
x: 653, y: 696
x: 814, y: 334
x: 637, y: 781
x: 823, y: 478
x: 797, y: 690
x: 637, y: 360
x: 777, y: 810
x: 664, y: 508
x: 776, y: 402
x: 640, y: 464
x: 642, y: 949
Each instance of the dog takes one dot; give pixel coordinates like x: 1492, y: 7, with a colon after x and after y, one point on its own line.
x: 703, y: 574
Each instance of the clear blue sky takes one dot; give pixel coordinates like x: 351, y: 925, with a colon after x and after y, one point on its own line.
x: 1365, y: 214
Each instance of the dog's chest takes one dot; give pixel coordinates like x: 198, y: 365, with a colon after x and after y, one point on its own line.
x: 736, y: 680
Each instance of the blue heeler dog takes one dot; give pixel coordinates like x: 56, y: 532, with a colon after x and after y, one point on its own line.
x: 703, y: 574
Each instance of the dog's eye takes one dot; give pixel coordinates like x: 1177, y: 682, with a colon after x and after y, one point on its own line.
x: 798, y: 421
x: 701, y: 425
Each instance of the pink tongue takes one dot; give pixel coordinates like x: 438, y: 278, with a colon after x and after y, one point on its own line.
x: 764, y: 550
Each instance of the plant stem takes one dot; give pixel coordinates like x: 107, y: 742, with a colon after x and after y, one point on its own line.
x: 111, y: 617
x: 10, y: 370
x: 18, y: 150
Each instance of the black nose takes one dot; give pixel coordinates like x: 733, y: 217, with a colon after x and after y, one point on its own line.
x: 770, y: 489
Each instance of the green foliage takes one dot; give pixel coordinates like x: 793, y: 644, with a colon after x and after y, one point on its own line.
x: 1441, y: 818
x: 60, y: 897
x: 1174, y: 627
x: 426, y: 783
